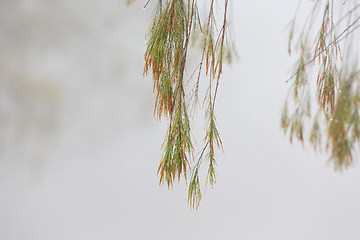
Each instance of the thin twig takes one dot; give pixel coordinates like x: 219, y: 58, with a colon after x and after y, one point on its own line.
x: 329, y: 45
x: 146, y: 3
x: 204, y: 48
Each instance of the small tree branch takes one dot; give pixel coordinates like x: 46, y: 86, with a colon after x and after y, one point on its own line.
x: 338, y: 38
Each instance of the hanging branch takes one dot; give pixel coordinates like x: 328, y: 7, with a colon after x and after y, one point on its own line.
x: 165, y: 57
x: 214, y: 60
x: 337, y: 88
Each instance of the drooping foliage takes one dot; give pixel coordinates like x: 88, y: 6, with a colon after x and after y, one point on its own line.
x: 174, y: 24
x: 327, y: 50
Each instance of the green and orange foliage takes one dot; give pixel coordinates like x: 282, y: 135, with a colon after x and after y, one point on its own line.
x: 174, y: 24
x: 326, y: 45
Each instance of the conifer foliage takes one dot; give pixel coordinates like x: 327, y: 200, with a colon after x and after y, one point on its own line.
x: 165, y: 58
x: 328, y: 46
x: 326, y: 50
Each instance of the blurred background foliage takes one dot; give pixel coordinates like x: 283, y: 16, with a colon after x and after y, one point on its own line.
x: 323, y: 103
x: 63, y: 74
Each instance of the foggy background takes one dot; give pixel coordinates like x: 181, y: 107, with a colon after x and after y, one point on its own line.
x: 79, y: 146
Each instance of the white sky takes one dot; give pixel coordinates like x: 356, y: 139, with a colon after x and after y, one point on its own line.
x: 99, y: 180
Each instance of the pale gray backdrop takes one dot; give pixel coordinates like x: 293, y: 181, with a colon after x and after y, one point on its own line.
x: 80, y: 147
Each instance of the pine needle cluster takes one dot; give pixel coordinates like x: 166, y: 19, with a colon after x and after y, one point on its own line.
x: 165, y: 58
x: 333, y: 125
